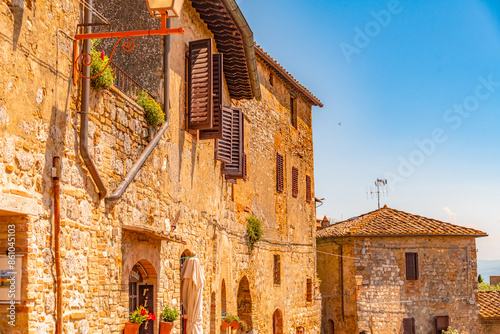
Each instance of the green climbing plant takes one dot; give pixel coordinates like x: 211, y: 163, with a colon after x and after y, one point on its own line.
x: 254, y: 230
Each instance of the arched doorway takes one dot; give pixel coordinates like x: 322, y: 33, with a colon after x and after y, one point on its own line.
x: 244, y: 302
x: 331, y: 327
x: 187, y: 253
x: 141, y: 290
x: 277, y: 322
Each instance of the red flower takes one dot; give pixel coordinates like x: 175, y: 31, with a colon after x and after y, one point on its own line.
x: 102, y: 54
x: 143, y: 312
x: 151, y: 316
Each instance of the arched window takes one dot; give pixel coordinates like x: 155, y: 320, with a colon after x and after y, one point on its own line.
x: 277, y: 322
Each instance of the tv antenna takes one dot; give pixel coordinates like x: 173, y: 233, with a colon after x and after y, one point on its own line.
x: 380, y: 183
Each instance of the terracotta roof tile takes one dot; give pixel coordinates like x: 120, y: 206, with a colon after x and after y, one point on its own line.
x: 285, y: 75
x: 387, y: 222
x: 489, y: 303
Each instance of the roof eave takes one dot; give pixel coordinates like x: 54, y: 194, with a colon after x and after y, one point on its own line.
x: 402, y: 235
x: 244, y: 28
x: 271, y: 62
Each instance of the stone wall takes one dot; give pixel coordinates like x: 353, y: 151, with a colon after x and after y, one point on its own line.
x: 446, y: 286
x: 180, y: 188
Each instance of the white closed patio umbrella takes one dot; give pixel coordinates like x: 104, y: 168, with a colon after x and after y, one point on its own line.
x: 192, y: 281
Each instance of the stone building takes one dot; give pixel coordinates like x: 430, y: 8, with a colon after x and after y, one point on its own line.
x: 389, y: 271
x: 67, y: 153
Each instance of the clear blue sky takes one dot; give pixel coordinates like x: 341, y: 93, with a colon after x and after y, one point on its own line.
x: 430, y: 73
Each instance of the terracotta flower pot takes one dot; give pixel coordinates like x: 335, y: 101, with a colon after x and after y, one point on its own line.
x: 166, y: 327
x: 131, y: 328
x: 225, y: 324
x: 235, y: 325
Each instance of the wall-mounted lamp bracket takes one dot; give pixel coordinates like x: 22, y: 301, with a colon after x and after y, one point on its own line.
x: 128, y: 45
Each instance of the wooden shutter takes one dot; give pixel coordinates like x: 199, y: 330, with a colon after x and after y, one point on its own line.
x: 308, y: 188
x: 223, y: 145
x: 408, y: 326
x: 309, y: 290
x: 279, y: 173
x: 234, y: 169
x: 411, y: 266
x: 200, y: 106
x: 442, y: 323
x: 216, y: 131
x: 295, y: 182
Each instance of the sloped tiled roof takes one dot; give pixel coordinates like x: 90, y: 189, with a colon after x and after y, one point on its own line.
x: 489, y: 303
x: 391, y: 222
x: 287, y: 77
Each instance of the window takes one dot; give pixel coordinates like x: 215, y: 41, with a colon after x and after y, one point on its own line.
x: 295, y: 182
x: 293, y: 110
x: 279, y: 173
x: 271, y: 79
x: 442, y: 323
x: 308, y: 189
x: 309, y: 297
x: 408, y: 326
x: 277, y: 270
x: 411, y: 266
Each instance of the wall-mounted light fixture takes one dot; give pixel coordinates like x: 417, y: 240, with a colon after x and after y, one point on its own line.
x: 162, y: 9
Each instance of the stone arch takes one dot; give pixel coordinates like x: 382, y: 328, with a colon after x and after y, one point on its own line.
x: 140, y: 251
x: 277, y: 322
x: 244, y: 302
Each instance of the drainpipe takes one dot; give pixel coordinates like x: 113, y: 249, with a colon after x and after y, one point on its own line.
x: 341, y: 276
x: 84, y: 116
x: 56, y: 172
x: 145, y: 154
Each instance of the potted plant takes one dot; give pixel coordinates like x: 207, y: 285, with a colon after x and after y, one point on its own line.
x: 231, y: 320
x: 137, y: 317
x: 168, y: 317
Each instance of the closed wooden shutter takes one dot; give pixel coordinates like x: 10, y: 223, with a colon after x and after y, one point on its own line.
x: 411, y: 266
x: 309, y: 290
x: 308, y: 189
x: 234, y: 169
x: 279, y: 173
x: 217, y: 85
x: 200, y: 106
x: 295, y: 182
x: 408, y: 326
x: 223, y: 145
x: 442, y: 323
x: 245, y: 174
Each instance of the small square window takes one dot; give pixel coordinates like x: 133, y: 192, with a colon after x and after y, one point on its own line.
x: 408, y: 326
x: 309, y: 290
